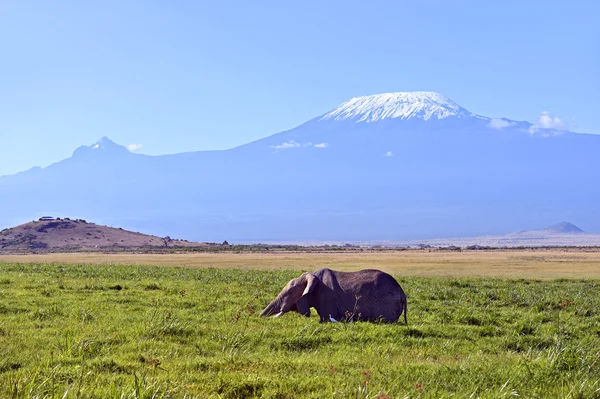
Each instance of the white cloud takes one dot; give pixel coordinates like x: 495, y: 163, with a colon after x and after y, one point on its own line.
x: 286, y: 145
x: 499, y: 124
x: 294, y: 144
x: 389, y: 154
x: 134, y: 147
x: 548, y: 121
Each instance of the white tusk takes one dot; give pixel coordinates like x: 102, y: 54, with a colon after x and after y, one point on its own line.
x: 277, y: 315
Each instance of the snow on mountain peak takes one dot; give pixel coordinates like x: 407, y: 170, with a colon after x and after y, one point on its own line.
x: 102, y: 146
x: 104, y: 142
x: 404, y: 105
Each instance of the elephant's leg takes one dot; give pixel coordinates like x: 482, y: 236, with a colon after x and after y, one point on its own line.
x: 322, y: 317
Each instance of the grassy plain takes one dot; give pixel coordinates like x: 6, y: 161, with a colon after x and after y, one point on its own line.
x: 130, y: 331
x: 540, y: 264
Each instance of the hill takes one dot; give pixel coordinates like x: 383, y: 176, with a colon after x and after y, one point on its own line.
x: 559, y: 228
x: 394, y: 166
x: 66, y: 234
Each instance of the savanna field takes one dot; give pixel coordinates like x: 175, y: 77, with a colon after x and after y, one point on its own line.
x: 129, y: 331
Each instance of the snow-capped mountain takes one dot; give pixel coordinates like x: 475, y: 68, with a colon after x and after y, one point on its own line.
x: 384, y: 167
x: 404, y: 105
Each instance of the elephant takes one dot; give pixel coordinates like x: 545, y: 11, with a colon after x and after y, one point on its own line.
x: 369, y: 295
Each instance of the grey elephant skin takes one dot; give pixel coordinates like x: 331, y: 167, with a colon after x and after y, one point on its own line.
x: 369, y: 295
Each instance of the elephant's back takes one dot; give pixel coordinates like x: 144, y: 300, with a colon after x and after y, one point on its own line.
x: 370, y: 283
x: 372, y: 278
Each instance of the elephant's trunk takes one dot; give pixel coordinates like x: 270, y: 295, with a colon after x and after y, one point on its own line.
x: 273, y: 307
x: 265, y: 312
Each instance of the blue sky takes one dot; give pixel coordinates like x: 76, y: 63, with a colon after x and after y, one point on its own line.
x: 195, y: 75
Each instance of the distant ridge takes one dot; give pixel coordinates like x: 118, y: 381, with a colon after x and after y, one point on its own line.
x: 558, y: 235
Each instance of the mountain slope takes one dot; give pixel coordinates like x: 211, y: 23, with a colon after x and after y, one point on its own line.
x: 391, y: 166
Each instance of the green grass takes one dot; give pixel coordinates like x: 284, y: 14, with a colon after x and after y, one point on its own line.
x: 69, y: 331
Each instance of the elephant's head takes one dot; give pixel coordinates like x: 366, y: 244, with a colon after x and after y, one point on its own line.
x: 293, y: 297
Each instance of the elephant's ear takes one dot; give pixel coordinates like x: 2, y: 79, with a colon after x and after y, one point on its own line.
x: 311, y: 282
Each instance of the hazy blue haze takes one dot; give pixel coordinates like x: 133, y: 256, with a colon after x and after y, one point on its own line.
x: 189, y: 75
x: 333, y: 178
